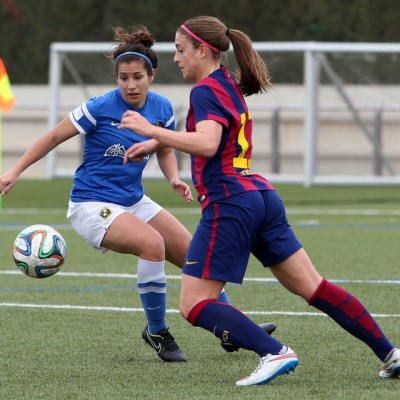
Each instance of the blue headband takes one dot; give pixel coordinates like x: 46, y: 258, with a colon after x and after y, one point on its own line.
x: 134, y: 53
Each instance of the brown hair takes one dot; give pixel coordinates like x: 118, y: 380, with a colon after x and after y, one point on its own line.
x: 136, y: 39
x: 253, y: 76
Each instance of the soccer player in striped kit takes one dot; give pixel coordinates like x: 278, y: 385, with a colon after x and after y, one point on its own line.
x: 241, y: 211
x: 108, y: 206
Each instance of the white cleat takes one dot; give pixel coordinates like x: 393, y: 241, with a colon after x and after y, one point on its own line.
x: 270, y: 367
x: 391, y: 367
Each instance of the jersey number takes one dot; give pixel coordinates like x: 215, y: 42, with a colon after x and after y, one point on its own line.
x: 241, y: 161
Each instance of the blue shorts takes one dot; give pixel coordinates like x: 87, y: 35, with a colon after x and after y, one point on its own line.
x: 251, y: 222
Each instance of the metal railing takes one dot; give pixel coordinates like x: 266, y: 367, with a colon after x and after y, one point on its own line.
x: 314, y: 62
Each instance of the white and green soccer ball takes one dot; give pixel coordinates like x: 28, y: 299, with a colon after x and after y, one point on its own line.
x: 39, y: 251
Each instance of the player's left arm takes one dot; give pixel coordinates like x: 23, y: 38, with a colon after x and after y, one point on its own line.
x: 169, y: 167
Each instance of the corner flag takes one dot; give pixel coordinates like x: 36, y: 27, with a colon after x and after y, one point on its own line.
x: 7, y: 103
x: 7, y: 100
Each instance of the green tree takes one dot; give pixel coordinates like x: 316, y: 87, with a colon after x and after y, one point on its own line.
x: 28, y: 27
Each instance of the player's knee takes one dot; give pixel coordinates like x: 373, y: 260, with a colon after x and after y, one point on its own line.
x: 153, y: 248
x: 191, y: 311
x: 184, y: 309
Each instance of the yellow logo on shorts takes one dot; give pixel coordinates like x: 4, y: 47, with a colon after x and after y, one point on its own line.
x: 105, y: 212
x: 187, y: 262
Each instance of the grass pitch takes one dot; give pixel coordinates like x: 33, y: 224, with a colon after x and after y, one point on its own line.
x: 77, y: 335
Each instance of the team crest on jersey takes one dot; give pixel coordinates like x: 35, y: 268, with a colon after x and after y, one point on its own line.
x: 158, y: 124
x: 245, y: 172
x: 116, y: 150
x: 105, y: 212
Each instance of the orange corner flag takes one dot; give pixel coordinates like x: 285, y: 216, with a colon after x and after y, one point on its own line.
x: 7, y: 100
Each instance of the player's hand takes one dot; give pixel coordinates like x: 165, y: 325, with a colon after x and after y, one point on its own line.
x: 183, y: 189
x: 7, y: 182
x: 139, y: 151
x: 136, y: 122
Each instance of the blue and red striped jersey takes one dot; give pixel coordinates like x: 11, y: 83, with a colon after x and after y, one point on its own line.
x: 227, y: 173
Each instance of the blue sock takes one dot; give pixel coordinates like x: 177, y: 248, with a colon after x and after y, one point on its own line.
x: 152, y: 286
x: 223, y: 297
x: 231, y: 325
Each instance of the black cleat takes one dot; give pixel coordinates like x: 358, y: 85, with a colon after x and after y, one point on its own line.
x: 164, y: 344
x: 268, y: 327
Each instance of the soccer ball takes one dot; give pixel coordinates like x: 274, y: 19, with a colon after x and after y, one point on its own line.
x: 39, y: 251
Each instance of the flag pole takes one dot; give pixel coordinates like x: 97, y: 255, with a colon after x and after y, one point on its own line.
x: 1, y: 158
x: 7, y: 103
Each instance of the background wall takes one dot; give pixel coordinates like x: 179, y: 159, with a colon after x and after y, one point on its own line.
x: 342, y: 147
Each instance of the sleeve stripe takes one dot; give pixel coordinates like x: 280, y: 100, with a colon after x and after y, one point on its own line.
x: 88, y: 115
x: 76, y: 125
x: 170, y: 121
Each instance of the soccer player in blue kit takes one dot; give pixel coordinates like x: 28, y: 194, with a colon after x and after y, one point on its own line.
x: 241, y: 211
x: 108, y: 207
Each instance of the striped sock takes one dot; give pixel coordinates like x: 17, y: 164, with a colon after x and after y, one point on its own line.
x: 352, y: 316
x: 152, y: 286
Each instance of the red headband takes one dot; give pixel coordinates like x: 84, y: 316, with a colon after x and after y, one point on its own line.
x: 188, y: 31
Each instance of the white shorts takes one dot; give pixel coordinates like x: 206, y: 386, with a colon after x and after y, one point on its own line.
x: 92, y: 219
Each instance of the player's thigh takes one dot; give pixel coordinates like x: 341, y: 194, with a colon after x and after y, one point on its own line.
x: 129, y: 234
x: 298, y: 274
x: 176, y: 237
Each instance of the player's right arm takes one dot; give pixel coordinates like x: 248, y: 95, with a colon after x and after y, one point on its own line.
x: 59, y: 134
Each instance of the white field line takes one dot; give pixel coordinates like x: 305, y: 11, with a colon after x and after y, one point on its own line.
x: 170, y: 311
x: 183, y: 210
x: 173, y: 311
x: 196, y: 210
x: 316, y: 211
x: 178, y: 277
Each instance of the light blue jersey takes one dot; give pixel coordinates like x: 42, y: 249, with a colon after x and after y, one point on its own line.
x: 102, y: 176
